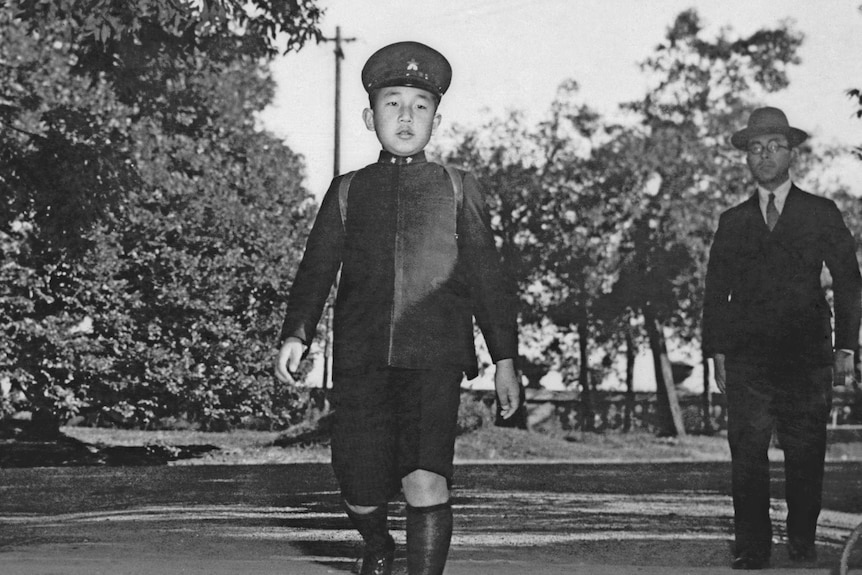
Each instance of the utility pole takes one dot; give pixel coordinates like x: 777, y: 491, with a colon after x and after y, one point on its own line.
x: 339, y: 56
x: 336, y: 170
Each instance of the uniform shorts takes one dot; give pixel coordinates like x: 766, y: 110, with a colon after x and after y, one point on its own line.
x: 388, y: 423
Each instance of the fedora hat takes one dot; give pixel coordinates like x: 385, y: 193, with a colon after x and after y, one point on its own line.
x: 768, y: 121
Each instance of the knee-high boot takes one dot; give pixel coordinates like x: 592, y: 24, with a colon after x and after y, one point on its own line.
x: 379, y: 545
x: 429, y: 531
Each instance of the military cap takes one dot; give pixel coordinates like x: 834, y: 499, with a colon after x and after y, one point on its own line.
x: 407, y: 64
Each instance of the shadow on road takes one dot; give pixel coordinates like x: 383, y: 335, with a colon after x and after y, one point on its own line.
x: 68, y: 451
x: 516, y: 518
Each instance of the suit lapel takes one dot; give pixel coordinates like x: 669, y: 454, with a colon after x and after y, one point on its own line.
x: 790, y: 212
x: 753, y: 213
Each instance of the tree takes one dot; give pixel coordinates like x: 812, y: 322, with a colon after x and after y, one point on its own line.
x: 700, y: 88
x: 119, y: 38
x: 556, y: 227
x: 856, y: 94
x: 59, y: 180
x: 608, y: 226
x: 125, y: 213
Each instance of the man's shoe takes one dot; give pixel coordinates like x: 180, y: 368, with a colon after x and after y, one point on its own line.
x: 801, y: 552
x: 749, y: 563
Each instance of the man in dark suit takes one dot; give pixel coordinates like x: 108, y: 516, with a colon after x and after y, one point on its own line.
x: 767, y: 326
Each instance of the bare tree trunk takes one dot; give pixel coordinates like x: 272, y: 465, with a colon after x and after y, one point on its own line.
x: 327, y: 348
x: 630, y: 381
x: 707, y: 401
x: 670, y: 415
x: 584, y: 378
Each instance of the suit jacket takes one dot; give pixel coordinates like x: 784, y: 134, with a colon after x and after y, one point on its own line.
x: 764, y: 301
x: 412, y: 277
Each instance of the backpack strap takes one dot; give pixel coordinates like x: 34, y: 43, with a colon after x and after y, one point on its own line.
x: 457, y: 189
x: 343, y: 189
x: 454, y: 176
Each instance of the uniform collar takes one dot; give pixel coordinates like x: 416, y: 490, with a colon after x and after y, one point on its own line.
x: 387, y: 158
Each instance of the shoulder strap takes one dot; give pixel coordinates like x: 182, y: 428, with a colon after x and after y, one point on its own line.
x: 457, y: 188
x: 454, y: 176
x: 343, y: 189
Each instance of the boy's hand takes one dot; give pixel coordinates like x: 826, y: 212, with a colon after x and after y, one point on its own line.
x: 287, y: 362
x: 508, y: 387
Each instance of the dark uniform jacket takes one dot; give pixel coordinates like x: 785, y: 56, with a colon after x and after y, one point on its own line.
x: 412, y: 277
x: 764, y: 301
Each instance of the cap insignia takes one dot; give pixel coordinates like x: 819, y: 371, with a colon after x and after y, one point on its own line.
x: 412, y: 65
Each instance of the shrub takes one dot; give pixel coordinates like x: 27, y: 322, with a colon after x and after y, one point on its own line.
x: 475, y: 410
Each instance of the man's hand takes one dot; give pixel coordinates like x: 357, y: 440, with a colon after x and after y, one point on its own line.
x: 842, y: 367
x: 508, y: 387
x: 287, y: 362
x: 720, y: 373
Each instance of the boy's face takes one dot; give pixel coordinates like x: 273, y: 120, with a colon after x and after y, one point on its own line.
x: 403, y: 118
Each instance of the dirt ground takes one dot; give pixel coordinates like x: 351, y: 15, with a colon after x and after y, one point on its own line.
x: 666, y: 518
x: 188, y: 502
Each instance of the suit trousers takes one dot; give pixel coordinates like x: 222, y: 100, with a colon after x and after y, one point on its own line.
x: 795, y: 401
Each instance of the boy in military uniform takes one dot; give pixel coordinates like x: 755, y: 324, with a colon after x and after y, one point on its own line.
x: 418, y: 261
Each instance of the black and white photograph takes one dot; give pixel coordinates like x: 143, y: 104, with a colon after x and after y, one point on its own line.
x: 476, y: 287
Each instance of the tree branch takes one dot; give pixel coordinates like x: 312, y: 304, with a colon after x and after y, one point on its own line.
x: 21, y: 131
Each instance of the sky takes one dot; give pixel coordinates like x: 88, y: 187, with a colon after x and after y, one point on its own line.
x: 513, y: 54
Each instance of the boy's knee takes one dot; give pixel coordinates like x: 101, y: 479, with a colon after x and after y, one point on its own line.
x: 423, y: 488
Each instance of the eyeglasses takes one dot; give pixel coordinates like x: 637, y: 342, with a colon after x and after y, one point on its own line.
x: 756, y: 148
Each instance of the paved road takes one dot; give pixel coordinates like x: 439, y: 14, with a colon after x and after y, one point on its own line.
x: 541, y: 519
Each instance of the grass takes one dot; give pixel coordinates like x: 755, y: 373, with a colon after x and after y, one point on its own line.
x: 484, y: 444
x: 514, y: 444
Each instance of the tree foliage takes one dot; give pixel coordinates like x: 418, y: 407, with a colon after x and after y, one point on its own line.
x: 147, y: 234
x: 556, y: 228
x: 702, y: 90
x: 856, y: 94
x: 144, y: 46
x: 609, y: 223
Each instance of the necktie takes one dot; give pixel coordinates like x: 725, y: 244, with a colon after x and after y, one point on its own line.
x: 771, y: 212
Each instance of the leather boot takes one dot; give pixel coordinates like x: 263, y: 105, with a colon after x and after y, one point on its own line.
x: 429, y: 531
x: 379, y: 545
